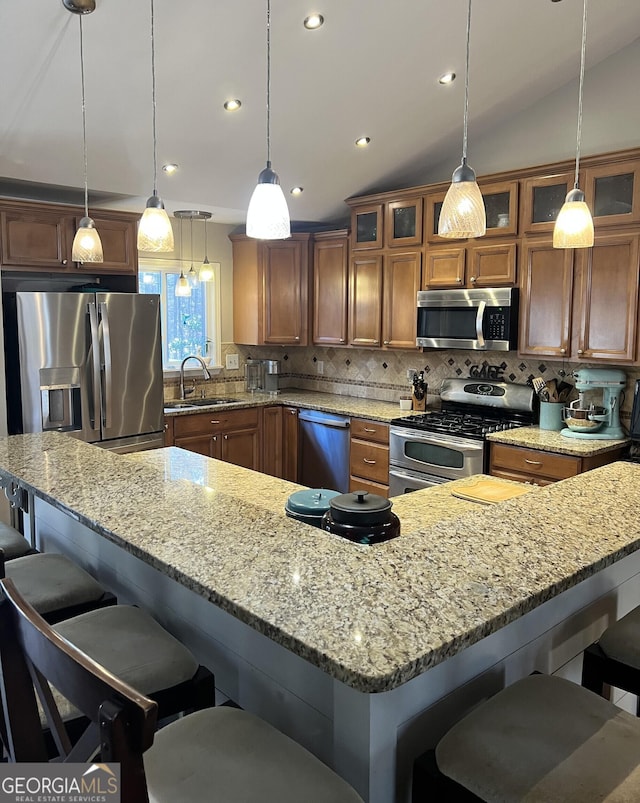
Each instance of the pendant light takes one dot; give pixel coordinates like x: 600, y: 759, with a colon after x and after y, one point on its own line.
x: 206, y: 269
x: 574, y: 224
x: 154, y: 231
x: 183, y: 288
x: 463, y: 214
x: 268, y: 214
x: 192, y: 276
x: 87, y: 246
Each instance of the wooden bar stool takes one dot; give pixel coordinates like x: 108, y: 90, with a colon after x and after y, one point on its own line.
x: 614, y: 660
x: 55, y: 586
x: 220, y: 754
x: 540, y: 740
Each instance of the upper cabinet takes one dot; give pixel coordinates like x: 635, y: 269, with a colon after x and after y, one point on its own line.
x: 366, y: 227
x: 403, y: 223
x: 612, y: 192
x: 39, y: 237
x: 330, y: 288
x: 542, y: 199
x: 271, y: 290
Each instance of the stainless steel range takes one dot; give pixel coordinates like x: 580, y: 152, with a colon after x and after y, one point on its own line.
x: 436, y: 447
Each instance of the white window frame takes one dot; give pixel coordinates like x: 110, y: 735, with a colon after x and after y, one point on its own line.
x: 214, y: 328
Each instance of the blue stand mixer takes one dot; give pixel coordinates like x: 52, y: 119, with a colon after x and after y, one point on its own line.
x: 584, y: 418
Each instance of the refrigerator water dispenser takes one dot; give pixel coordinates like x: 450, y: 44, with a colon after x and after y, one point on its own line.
x: 60, y: 399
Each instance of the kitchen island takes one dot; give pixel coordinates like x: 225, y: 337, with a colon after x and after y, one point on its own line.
x: 364, y: 654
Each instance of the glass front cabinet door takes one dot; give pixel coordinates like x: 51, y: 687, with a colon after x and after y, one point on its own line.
x: 542, y: 199
x: 366, y: 227
x: 403, y: 222
x: 612, y: 193
x: 500, y: 203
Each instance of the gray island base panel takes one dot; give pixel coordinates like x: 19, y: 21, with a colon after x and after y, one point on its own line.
x: 363, y: 654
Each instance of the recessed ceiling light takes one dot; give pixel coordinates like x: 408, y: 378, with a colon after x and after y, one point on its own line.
x: 362, y: 142
x: 447, y: 78
x: 232, y: 105
x: 170, y: 168
x: 313, y: 22
x: 297, y: 190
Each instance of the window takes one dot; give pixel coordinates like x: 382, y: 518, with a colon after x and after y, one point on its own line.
x: 190, y: 325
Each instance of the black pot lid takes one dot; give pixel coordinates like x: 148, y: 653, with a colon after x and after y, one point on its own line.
x: 360, y: 502
x: 311, y: 501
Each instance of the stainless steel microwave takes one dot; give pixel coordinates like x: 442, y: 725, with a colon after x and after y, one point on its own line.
x: 483, y: 319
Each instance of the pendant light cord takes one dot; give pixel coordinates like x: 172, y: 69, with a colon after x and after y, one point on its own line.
x: 153, y: 103
x: 84, y: 124
x: 582, y: 56
x: 268, y: 83
x: 205, y: 238
x: 191, y: 246
x: 466, y: 91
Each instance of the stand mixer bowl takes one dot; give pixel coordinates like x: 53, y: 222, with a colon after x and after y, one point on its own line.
x: 584, y: 419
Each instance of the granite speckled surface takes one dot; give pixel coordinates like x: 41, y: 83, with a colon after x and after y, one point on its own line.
x: 326, y: 402
x: 549, y: 441
x: 372, y: 617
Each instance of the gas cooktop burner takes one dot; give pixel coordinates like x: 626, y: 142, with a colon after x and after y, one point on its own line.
x: 462, y: 425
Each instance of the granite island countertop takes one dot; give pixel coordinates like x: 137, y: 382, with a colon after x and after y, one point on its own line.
x: 372, y: 617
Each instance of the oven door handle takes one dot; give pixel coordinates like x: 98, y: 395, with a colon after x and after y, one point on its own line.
x: 479, y: 322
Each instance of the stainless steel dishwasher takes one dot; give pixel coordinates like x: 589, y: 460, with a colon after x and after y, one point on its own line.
x: 324, y: 450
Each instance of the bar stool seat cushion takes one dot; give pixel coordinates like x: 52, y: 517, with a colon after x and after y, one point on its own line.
x: 131, y: 645
x: 12, y: 543
x: 545, y: 740
x: 621, y: 641
x: 229, y: 755
x: 50, y: 582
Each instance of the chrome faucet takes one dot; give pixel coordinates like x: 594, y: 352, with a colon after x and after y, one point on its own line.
x: 205, y: 373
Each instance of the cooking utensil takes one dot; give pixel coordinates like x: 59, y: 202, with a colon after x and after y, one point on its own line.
x: 583, y: 419
x: 538, y: 384
x: 552, y: 389
x: 309, y: 505
x: 361, y: 517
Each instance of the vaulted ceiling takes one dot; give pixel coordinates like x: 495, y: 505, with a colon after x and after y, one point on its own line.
x: 372, y: 70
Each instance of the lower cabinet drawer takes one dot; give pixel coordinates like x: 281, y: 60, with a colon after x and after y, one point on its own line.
x: 533, y: 462
x: 358, y: 484
x: 215, y: 421
x: 369, y: 461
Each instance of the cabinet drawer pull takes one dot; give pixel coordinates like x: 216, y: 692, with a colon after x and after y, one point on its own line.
x: 214, y: 422
x: 368, y: 462
x: 533, y: 462
x: 368, y: 429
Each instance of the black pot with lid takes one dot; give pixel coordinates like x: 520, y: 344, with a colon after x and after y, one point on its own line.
x: 362, y: 517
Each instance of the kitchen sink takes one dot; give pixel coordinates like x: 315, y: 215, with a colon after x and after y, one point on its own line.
x: 183, y: 403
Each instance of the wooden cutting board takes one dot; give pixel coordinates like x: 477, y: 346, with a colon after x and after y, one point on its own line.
x: 488, y: 491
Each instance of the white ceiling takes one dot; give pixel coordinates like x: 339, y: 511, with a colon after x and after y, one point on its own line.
x: 371, y: 69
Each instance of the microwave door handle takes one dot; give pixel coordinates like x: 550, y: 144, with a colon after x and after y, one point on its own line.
x: 95, y: 354
x: 479, y: 321
x: 108, y: 374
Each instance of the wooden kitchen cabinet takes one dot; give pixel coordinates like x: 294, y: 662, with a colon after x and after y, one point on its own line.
x: 542, y: 198
x: 369, y: 457
x: 400, y: 285
x: 233, y: 436
x: 582, y: 303
x: 272, y: 440
x: 365, y: 300
x: 290, y: 460
x: 271, y: 290
x: 542, y: 468
x: 366, y: 227
x: 403, y: 222
x: 330, y: 288
x: 168, y: 431
x: 612, y: 192
x: 39, y: 237
x: 478, y: 263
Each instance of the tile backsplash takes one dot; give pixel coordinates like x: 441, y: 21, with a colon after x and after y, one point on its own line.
x: 377, y: 374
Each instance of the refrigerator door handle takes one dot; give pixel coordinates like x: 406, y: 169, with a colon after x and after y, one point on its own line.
x: 108, y: 373
x: 95, y: 351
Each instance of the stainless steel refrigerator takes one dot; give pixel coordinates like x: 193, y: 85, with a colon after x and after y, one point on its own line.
x: 90, y: 365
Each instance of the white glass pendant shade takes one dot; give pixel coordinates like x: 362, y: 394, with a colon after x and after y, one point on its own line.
x: 154, y: 231
x: 192, y: 277
x: 574, y: 224
x: 268, y: 213
x: 206, y: 271
x: 463, y: 214
x: 183, y: 288
x: 87, y: 246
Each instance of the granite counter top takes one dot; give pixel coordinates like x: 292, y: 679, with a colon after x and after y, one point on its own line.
x: 372, y: 617
x: 549, y: 441
x: 352, y: 406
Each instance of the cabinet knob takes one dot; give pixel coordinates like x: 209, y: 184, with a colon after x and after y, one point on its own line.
x: 64, y: 261
x: 293, y: 412
x: 342, y: 339
x: 226, y: 437
x: 563, y: 351
x: 458, y: 280
x: 580, y: 351
x: 214, y: 438
x: 385, y: 342
x: 472, y: 280
x: 166, y: 426
x: 296, y: 337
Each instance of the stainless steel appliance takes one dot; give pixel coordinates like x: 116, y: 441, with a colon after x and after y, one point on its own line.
x: 324, y: 450
x: 90, y: 365
x: 271, y: 376
x: 254, y: 376
x: 479, y: 319
x: 436, y: 447
x: 591, y: 421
